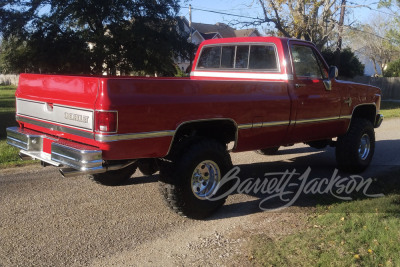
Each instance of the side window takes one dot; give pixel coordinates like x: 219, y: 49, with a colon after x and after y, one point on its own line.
x: 228, y: 57
x: 210, y: 58
x: 257, y: 57
x: 242, y: 57
x: 306, y: 64
x: 262, y: 57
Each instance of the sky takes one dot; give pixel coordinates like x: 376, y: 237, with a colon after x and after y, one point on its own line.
x: 246, y: 8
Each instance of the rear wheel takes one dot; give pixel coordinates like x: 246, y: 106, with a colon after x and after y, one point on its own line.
x: 189, y: 179
x: 355, y: 149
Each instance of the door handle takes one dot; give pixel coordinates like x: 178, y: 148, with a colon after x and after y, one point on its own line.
x: 348, y: 101
x: 298, y: 85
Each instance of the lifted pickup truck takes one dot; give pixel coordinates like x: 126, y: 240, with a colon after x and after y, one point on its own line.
x: 256, y: 93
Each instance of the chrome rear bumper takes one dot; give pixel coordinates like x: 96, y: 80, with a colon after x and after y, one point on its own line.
x: 82, y: 158
x: 378, y: 120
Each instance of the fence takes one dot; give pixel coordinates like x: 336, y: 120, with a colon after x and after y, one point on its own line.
x: 390, y: 86
x: 9, y: 79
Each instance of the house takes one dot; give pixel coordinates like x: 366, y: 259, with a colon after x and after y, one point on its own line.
x: 201, y: 32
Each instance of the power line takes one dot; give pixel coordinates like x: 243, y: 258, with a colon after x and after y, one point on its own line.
x: 231, y: 9
x: 370, y: 33
x: 372, y: 9
x: 259, y: 19
x: 223, y: 13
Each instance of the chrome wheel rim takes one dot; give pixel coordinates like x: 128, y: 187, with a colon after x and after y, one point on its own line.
x: 365, y: 147
x: 205, y: 178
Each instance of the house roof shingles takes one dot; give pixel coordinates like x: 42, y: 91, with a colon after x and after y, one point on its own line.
x: 209, y: 31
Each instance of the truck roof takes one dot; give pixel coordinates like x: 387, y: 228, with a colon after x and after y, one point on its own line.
x: 272, y: 39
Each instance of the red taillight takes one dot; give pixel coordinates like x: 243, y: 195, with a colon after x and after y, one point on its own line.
x: 106, y: 121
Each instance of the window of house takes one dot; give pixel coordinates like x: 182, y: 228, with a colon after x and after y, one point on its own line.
x: 306, y: 64
x: 249, y: 57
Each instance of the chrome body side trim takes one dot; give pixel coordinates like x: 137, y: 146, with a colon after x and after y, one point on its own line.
x: 275, y: 123
x: 347, y: 117
x: 317, y: 120
x: 262, y: 124
x: 245, y: 126
x: 133, y: 136
x: 53, y: 127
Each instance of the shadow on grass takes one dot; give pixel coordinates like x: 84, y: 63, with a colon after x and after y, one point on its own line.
x: 7, y: 109
x: 7, y: 119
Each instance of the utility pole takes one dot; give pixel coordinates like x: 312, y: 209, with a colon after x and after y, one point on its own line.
x: 191, y: 56
x: 190, y: 23
x: 339, y: 42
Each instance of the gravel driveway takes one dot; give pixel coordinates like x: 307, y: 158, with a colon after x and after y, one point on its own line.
x: 46, y: 220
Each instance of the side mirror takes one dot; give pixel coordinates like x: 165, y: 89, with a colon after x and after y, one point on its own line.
x: 333, y: 72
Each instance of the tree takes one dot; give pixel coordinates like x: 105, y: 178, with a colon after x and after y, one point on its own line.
x: 388, y: 3
x: 45, y: 53
x: 372, y: 40
x: 67, y: 36
x: 393, y: 69
x: 349, y: 66
x: 311, y: 20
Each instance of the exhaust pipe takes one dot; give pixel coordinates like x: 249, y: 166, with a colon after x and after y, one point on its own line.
x: 69, y: 172
x: 24, y: 157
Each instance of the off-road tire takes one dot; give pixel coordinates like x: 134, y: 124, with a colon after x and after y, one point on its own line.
x: 268, y: 151
x: 351, y: 153
x: 176, y: 177
x: 114, y: 178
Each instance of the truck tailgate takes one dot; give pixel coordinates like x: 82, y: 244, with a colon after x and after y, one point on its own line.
x: 63, y: 100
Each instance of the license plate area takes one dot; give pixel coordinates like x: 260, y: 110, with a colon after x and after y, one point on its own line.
x: 47, y: 145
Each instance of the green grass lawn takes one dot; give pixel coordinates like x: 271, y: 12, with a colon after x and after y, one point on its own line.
x: 364, y: 232
x: 338, y: 238
x: 390, y: 109
x: 8, y: 154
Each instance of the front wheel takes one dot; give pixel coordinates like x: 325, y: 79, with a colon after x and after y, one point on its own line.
x: 189, y: 180
x: 355, y: 149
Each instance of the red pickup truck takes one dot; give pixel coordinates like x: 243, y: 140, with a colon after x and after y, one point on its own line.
x: 255, y: 93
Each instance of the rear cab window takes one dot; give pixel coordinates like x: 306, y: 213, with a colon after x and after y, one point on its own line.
x: 260, y: 57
